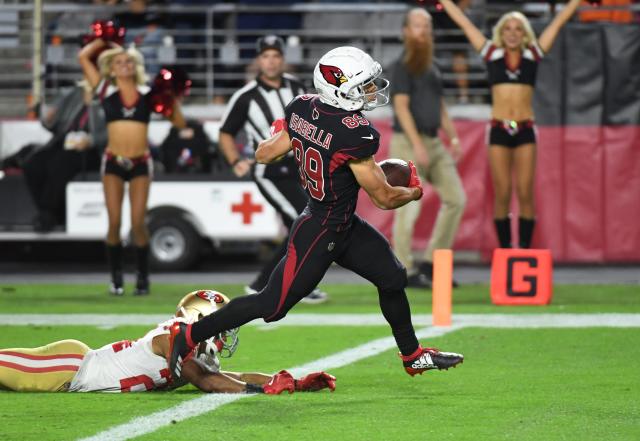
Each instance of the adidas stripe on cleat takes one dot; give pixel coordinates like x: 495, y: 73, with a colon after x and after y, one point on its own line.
x: 425, y: 359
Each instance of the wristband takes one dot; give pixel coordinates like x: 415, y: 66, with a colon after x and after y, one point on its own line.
x: 253, y: 388
x: 234, y: 163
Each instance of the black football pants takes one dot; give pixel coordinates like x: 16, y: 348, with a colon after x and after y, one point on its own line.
x: 312, y: 248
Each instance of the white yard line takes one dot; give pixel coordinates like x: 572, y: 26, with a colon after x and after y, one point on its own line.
x: 559, y: 320
x: 150, y: 423
x: 110, y: 320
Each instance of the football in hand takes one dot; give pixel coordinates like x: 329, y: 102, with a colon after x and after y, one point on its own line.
x: 397, y: 172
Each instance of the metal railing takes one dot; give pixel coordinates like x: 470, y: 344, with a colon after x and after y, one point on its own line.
x: 213, y: 45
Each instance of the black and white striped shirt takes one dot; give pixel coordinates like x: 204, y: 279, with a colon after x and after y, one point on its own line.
x: 253, y: 108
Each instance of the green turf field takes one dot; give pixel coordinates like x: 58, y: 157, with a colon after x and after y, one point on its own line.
x: 344, y: 299
x: 516, y: 384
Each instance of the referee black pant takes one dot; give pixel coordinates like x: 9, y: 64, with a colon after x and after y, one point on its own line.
x: 289, y: 199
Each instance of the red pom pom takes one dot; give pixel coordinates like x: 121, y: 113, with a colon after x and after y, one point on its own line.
x: 162, y: 103
x: 169, y: 83
x: 107, y: 30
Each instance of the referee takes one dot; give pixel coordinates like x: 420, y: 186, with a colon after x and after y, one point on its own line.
x: 252, y: 109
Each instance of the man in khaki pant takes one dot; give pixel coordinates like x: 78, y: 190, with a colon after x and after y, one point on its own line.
x: 416, y: 89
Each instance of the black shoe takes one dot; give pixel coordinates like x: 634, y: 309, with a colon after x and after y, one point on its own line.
x: 142, y: 286
x: 426, y: 269
x: 419, y: 280
x: 315, y: 297
x: 179, y: 349
x: 426, y: 359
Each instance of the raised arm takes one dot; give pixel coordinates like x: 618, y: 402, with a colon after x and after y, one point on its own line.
x: 371, y: 177
x: 177, y: 117
x: 473, y: 34
x: 90, y: 71
x: 550, y: 33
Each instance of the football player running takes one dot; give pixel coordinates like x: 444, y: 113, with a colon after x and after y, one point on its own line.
x: 333, y: 144
x: 141, y: 365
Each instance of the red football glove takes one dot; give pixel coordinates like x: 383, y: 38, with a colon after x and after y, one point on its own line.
x: 414, y: 179
x: 278, y: 126
x: 279, y: 382
x: 316, y: 381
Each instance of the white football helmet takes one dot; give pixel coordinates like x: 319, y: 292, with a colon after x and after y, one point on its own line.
x: 198, y: 304
x: 345, y: 78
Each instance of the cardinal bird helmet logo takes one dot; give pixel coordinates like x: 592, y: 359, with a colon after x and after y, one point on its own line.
x: 332, y: 75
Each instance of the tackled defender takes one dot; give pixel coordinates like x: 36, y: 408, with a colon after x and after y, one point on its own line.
x: 141, y: 365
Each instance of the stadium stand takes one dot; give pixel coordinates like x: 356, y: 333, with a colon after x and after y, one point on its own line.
x: 217, y: 51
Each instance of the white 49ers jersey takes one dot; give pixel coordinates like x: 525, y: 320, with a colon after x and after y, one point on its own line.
x: 124, y: 366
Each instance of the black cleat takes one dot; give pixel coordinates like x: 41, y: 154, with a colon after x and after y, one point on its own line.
x: 142, y: 286
x: 315, y: 297
x: 180, y: 349
x: 418, y: 280
x: 425, y: 270
x: 425, y: 359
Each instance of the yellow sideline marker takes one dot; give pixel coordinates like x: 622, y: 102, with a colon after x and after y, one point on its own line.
x: 442, y: 284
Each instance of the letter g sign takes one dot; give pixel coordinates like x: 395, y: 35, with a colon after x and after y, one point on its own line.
x: 521, y: 277
x: 518, y: 276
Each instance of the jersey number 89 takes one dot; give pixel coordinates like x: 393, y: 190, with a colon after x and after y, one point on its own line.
x: 310, y: 168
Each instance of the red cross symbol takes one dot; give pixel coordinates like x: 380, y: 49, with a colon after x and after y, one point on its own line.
x: 246, y: 207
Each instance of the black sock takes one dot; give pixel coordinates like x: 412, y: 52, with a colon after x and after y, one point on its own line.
x: 525, y: 231
x: 142, y: 261
x: 396, y: 310
x: 503, y: 229
x: 237, y: 312
x: 114, y: 258
x: 406, y: 339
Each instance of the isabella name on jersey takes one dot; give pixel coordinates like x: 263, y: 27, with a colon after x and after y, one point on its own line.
x: 309, y: 131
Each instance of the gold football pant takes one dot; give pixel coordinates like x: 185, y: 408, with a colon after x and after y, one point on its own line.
x: 48, y: 368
